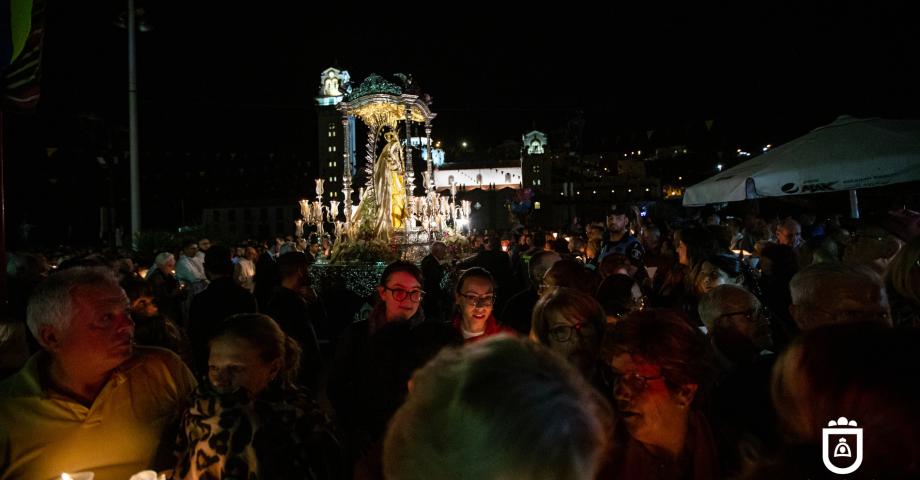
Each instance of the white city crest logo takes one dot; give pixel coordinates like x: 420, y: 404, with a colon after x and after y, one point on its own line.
x: 842, y: 443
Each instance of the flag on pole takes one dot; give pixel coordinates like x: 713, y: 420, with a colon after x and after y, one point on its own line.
x: 22, y: 29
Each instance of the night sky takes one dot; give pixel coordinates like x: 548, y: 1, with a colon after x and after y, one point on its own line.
x: 222, y: 76
x: 218, y: 78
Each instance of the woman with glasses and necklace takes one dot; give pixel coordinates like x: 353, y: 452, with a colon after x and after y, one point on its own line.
x: 661, y: 369
x: 571, y: 323
x: 475, y: 297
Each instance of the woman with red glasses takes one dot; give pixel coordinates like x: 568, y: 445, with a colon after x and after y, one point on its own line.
x: 661, y: 366
x: 373, y: 360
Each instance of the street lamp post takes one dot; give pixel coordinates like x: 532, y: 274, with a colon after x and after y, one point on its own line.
x: 132, y: 127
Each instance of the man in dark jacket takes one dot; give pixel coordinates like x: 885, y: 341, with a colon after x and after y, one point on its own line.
x: 289, y: 307
x: 222, y: 298
x: 434, y: 302
x: 519, y: 308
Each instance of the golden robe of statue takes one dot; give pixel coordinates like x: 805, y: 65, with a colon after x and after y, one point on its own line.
x: 389, y: 190
x: 391, y: 164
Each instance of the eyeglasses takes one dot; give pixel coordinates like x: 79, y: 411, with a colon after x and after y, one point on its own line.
x: 564, y: 333
x: 857, y: 237
x: 636, y: 383
x: 856, y: 315
x: 479, y: 301
x: 399, y: 294
x: 749, y: 315
x: 544, y: 287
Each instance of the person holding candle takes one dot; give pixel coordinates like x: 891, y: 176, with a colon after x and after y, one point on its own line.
x: 90, y: 400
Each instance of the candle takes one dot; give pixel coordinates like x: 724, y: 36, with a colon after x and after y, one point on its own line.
x: 333, y: 210
x: 298, y: 227
x: 77, y: 476
x: 147, y: 475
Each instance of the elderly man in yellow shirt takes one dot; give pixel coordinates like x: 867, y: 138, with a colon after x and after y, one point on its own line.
x: 90, y: 401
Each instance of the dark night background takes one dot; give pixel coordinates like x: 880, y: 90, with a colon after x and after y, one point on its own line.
x: 216, y: 78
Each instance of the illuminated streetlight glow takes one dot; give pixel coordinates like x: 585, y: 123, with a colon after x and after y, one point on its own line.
x: 719, y: 167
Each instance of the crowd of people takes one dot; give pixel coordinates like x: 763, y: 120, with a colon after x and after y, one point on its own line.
x: 633, y: 347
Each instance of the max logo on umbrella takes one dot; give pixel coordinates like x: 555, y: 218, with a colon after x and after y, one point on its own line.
x: 842, y: 446
x: 811, y: 188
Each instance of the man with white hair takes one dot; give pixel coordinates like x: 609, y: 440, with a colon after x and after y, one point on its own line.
x: 836, y: 292
x: 737, y: 330
x: 90, y: 400
x: 741, y: 339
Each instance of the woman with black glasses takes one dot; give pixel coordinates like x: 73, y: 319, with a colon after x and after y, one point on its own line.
x: 475, y: 297
x: 571, y: 323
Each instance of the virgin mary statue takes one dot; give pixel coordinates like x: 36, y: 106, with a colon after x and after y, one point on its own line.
x: 387, y: 192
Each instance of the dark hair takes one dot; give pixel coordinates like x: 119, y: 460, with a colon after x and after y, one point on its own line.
x: 666, y: 339
x: 700, y: 243
x: 613, y: 262
x: 570, y: 304
x: 573, y: 274
x: 474, y: 272
x: 722, y: 234
x: 292, y: 263
x: 729, y: 264
x: 262, y: 332
x: 867, y: 372
x: 136, y: 288
x: 615, y: 294
x: 538, y: 234
x: 783, y: 258
x: 535, y: 262
x: 402, y: 266
x: 218, y: 260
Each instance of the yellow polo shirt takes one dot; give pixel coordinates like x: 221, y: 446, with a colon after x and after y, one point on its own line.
x: 43, y: 434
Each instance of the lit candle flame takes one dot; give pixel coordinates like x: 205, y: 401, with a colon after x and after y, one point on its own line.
x: 65, y: 476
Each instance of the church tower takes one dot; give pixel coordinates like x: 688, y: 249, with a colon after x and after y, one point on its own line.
x: 331, y: 127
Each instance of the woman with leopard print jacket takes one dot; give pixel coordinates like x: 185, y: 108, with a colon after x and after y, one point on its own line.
x: 250, y: 421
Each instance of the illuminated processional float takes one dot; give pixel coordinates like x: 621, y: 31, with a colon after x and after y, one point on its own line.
x: 392, y: 218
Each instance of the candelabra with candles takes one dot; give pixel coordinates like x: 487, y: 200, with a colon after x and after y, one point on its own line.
x: 314, y: 213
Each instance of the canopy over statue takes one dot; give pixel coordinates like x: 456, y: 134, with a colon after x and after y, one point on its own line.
x: 389, y: 210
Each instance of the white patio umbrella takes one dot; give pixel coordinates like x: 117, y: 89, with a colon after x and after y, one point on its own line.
x: 848, y: 154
